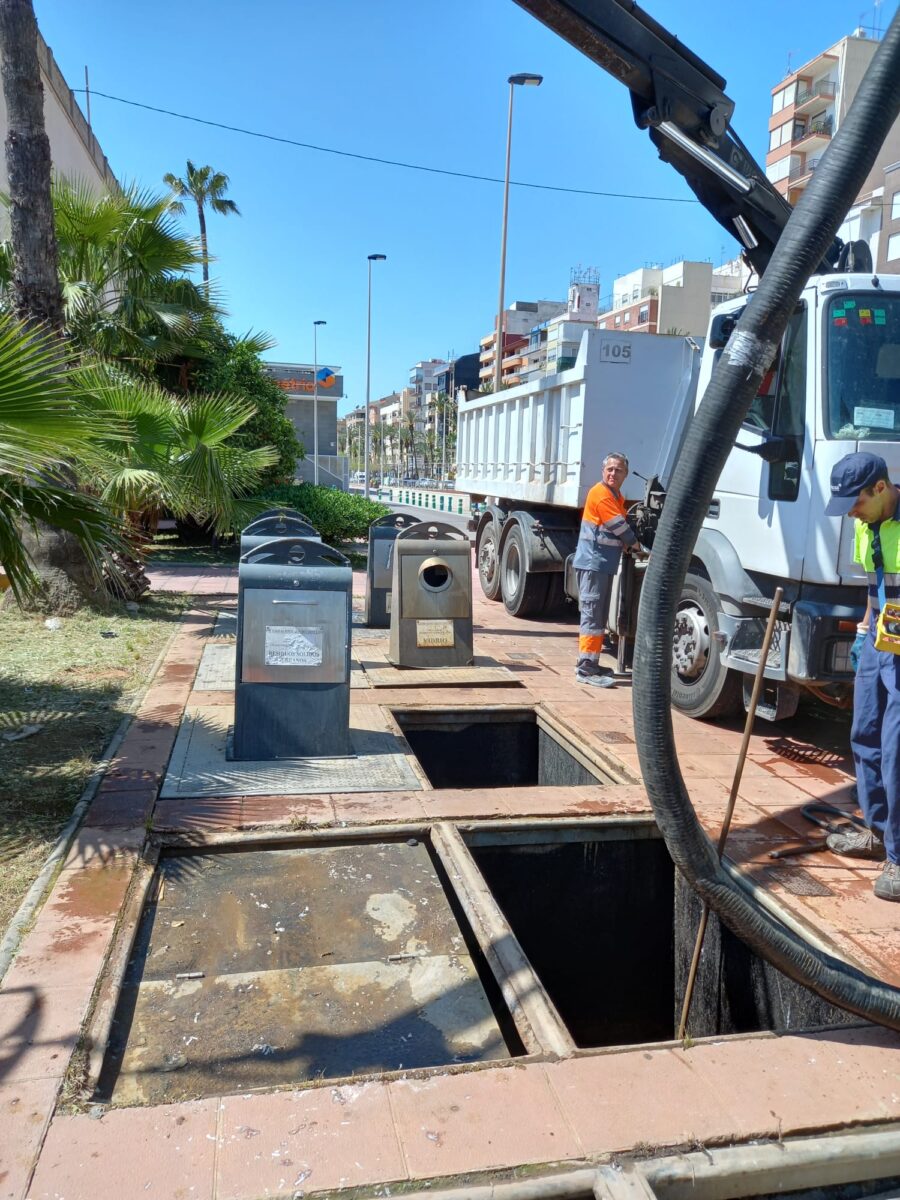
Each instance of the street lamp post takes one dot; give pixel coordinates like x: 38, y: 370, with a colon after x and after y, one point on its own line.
x: 372, y: 258
x: 514, y: 80
x: 316, y: 325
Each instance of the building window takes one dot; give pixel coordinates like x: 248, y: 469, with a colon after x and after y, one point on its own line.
x: 779, y: 170
x: 893, y: 246
x: 782, y: 134
x: 618, y: 322
x: 627, y: 318
x: 644, y: 314
x: 784, y: 97
x: 895, y: 207
x: 602, y: 325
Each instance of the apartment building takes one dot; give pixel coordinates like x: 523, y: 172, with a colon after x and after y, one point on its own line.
x: 808, y: 108
x: 421, y: 384
x: 673, y: 299
x: 519, y: 320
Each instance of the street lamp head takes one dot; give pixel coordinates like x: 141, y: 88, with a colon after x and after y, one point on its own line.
x: 377, y: 257
x: 527, y: 80
x: 320, y: 322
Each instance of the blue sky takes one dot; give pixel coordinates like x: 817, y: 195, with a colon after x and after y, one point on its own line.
x: 421, y: 81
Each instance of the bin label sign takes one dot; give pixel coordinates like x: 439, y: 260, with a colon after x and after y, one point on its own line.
x: 290, y: 646
x: 434, y: 633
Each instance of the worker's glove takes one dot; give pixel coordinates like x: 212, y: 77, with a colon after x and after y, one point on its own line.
x: 856, y: 648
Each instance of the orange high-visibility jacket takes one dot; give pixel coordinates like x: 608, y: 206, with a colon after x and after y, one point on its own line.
x: 604, y: 531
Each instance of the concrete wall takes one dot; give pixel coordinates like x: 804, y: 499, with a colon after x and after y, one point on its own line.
x: 299, y: 412
x: 75, y: 152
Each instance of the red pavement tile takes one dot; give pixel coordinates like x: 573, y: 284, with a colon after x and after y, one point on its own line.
x: 297, y: 811
x: 111, y: 809
x: 788, y: 1084
x: 69, y: 941
x: 451, y: 803
x: 153, y: 717
x: 130, y: 1154
x: 291, y: 1143
x: 199, y: 813
x: 477, y: 1120
x: 25, y: 1109
x: 361, y: 807
x: 95, y: 848
x: 877, y: 953
x: 618, y: 1101
x: 131, y: 778
x: 38, y: 1030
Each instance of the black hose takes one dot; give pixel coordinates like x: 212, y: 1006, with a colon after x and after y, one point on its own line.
x: 735, y: 381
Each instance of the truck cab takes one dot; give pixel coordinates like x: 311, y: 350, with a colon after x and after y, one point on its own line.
x: 833, y: 389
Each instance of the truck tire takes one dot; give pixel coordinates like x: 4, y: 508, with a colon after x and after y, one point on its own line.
x: 702, y: 686
x: 487, y: 555
x: 524, y: 592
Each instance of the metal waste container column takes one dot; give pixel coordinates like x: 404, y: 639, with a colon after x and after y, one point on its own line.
x: 292, y: 691
x: 431, y: 608
x: 380, y: 566
x: 280, y: 525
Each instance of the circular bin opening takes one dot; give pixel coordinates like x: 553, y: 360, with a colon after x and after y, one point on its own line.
x: 435, y: 575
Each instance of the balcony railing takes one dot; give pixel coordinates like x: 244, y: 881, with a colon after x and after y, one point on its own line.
x: 818, y: 129
x: 806, y: 169
x: 816, y: 91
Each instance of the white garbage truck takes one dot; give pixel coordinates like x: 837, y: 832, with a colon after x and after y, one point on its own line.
x: 532, y: 453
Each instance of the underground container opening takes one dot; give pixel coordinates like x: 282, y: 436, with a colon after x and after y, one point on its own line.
x: 609, y: 927
x: 266, y: 967
x: 435, y: 576
x: 493, y: 747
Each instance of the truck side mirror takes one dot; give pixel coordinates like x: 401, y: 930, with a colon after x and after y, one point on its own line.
x: 722, y: 327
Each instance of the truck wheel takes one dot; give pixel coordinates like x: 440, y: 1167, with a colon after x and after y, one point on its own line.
x: 488, y: 558
x: 524, y: 593
x: 702, y: 686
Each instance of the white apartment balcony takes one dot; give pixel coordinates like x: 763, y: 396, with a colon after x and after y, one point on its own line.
x: 811, y: 95
x: 816, y: 137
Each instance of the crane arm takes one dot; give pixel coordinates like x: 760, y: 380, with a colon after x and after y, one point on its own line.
x: 681, y: 101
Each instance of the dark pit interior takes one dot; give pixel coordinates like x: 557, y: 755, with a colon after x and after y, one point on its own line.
x: 469, y: 748
x: 609, y: 927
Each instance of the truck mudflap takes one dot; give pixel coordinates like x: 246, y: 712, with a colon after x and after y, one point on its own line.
x: 549, y: 539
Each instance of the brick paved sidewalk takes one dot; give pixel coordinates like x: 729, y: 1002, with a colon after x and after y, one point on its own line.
x: 436, y: 1122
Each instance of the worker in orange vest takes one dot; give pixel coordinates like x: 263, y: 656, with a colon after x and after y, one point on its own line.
x: 603, y: 536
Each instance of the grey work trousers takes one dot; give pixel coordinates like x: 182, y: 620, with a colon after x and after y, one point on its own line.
x: 594, y: 591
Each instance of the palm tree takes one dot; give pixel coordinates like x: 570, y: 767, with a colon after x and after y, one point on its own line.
x: 204, y: 186
x: 123, y: 267
x: 36, y: 297
x: 176, y: 454
x: 44, y: 424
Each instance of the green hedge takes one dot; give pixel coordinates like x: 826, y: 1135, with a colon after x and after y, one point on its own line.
x: 338, y: 516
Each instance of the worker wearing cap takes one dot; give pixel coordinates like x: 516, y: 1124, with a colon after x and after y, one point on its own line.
x: 604, y: 533
x: 861, y: 488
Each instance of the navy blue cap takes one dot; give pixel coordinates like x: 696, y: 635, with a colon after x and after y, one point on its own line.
x: 849, y: 477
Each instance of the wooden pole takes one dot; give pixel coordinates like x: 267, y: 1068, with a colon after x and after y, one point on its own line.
x: 732, y: 799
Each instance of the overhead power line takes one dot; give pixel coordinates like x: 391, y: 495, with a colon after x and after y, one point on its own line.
x: 388, y: 162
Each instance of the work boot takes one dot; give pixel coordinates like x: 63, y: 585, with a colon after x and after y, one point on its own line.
x: 587, y: 671
x: 887, y: 885
x: 857, y: 843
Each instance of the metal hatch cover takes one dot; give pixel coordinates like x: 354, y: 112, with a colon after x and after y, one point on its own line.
x: 260, y: 969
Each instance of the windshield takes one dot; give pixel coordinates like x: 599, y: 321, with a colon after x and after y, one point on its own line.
x: 863, y: 365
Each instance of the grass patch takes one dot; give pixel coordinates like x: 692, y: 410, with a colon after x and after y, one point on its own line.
x: 76, y: 684
x: 169, y: 548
